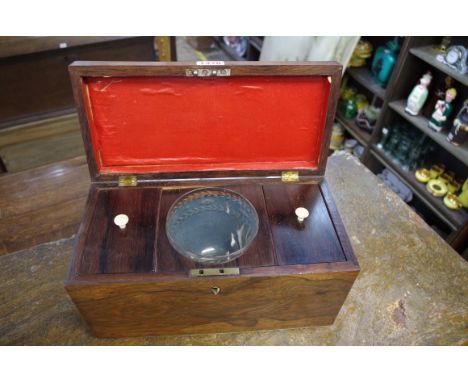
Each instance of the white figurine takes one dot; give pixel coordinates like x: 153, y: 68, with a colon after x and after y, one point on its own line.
x: 418, y: 95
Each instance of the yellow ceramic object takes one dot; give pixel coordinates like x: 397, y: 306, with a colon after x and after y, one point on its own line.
x: 337, y: 137
x: 437, y: 188
x: 361, y: 101
x: 347, y: 94
x: 445, y: 178
x: 423, y: 175
x: 437, y: 170
x: 452, y: 201
x: 465, y: 185
x: 362, y: 51
x: 463, y: 197
x: 454, y: 186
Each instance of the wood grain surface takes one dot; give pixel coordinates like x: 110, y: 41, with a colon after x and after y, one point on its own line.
x: 42, y: 204
x: 107, y: 248
x: 294, y: 274
x: 185, y: 306
x: 312, y: 241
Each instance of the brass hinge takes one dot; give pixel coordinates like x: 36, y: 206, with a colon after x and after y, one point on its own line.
x: 202, y: 272
x: 128, y: 181
x: 290, y: 176
x: 203, y: 72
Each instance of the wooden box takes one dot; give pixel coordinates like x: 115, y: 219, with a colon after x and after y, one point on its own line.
x: 154, y: 131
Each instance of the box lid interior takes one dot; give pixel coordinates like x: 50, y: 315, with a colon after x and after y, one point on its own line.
x: 141, y: 124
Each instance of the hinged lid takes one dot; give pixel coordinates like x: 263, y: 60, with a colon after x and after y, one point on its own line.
x: 181, y: 121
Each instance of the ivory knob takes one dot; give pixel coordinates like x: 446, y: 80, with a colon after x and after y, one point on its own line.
x: 302, y: 214
x: 121, y: 220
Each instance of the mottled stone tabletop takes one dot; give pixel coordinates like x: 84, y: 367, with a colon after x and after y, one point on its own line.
x: 412, y: 289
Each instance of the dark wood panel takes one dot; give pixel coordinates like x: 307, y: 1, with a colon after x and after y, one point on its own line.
x: 338, y: 223
x: 108, y: 249
x: 39, y: 152
x: 260, y: 252
x: 46, y: 141
x: 251, y: 68
x: 42, y: 204
x: 55, y: 221
x: 182, y: 307
x: 314, y: 240
x: 40, y: 82
x: 21, y: 45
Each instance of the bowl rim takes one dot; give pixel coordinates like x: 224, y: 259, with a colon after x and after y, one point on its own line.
x: 232, y: 255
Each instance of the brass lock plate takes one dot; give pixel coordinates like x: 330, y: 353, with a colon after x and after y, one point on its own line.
x: 203, y: 272
x: 205, y: 72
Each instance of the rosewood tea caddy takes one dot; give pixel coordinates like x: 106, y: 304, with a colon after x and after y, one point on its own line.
x: 208, y: 209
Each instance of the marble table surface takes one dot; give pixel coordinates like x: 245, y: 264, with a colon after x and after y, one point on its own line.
x: 412, y: 289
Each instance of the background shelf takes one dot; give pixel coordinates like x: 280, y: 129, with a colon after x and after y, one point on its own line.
x: 428, y: 54
x: 360, y: 135
x: 256, y: 42
x: 415, y: 57
x: 455, y: 219
x: 420, y: 122
x: 364, y: 77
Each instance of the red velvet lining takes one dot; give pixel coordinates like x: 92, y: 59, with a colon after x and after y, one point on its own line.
x: 171, y: 124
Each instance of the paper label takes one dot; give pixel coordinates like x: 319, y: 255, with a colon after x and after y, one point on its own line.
x: 210, y: 62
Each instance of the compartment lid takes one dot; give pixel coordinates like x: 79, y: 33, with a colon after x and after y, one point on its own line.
x: 176, y: 121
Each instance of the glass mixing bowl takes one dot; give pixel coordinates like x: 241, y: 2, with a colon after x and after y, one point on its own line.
x: 211, y: 225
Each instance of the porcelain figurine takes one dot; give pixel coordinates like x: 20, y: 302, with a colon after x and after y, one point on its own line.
x: 459, y: 131
x: 361, y: 53
x: 418, y: 95
x: 436, y: 93
x: 442, y: 111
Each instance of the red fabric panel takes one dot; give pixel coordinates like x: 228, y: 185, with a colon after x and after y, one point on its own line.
x: 170, y: 124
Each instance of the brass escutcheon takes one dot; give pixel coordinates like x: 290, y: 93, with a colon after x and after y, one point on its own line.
x: 215, y: 290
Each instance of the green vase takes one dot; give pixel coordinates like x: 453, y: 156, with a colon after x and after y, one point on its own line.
x: 350, y: 109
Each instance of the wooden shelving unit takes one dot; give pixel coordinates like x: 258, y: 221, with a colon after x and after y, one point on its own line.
x: 416, y: 56
x: 429, y: 55
x: 256, y: 42
x: 420, y: 122
x: 455, y: 219
x: 364, y: 77
x: 360, y: 135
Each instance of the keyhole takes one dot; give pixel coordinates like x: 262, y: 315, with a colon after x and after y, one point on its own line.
x: 215, y: 290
